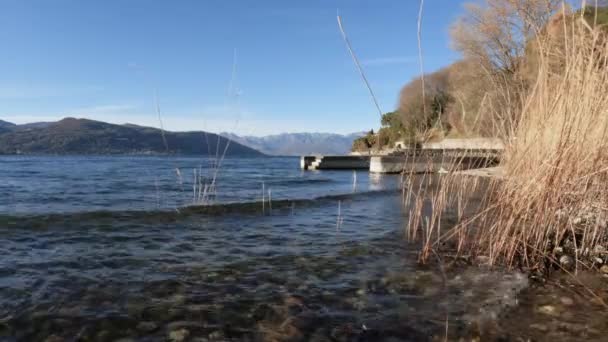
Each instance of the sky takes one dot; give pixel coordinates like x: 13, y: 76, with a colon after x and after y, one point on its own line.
x: 249, y: 67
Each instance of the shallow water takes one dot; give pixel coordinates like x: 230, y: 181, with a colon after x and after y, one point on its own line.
x: 92, y: 251
x: 34, y: 185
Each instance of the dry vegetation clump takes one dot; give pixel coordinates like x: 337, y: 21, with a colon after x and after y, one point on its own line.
x: 551, y: 208
x: 556, y: 163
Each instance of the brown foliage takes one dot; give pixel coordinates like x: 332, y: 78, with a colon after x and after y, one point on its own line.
x: 494, y: 36
x: 495, y: 33
x: 455, y: 96
x: 420, y: 113
x: 555, y: 166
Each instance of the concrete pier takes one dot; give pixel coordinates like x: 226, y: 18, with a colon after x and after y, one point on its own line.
x: 335, y: 162
x: 429, y: 163
x: 409, y: 161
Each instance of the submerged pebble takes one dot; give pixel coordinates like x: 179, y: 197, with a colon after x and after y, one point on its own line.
x: 566, y: 262
x: 566, y: 301
x: 146, y: 327
x: 54, y: 338
x: 216, y: 335
x: 539, y: 326
x: 179, y: 335
x: 548, y: 310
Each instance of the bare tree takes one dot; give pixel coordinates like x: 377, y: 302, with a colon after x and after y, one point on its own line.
x: 495, y: 33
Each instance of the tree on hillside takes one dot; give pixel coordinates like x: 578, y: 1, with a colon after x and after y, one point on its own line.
x: 495, y: 35
x: 392, y: 129
x: 468, y: 87
x: 365, y: 143
x: 418, y: 113
x: 391, y: 119
x: 496, y: 32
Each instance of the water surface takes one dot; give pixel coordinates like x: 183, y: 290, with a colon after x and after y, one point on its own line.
x: 103, y: 248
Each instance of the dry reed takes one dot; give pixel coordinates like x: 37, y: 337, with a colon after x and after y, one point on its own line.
x: 551, y: 201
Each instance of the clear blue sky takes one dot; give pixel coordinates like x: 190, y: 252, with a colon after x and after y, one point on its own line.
x: 103, y: 59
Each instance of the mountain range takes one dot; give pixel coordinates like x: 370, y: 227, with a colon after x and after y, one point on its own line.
x: 84, y: 136
x: 297, y: 144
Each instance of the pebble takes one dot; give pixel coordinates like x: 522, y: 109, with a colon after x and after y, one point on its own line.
x: 179, y: 335
x: 54, y: 338
x: 183, y: 324
x: 341, y: 333
x: 178, y: 299
x: 599, y: 249
x: 216, y: 335
x: 197, y: 308
x: 175, y: 312
x: 147, y: 327
x: 567, y: 301
x: 361, y: 292
x: 103, y: 335
x: 483, y: 260
x: 566, y: 261
x: 572, y: 327
x: 293, y: 301
x: 604, y: 269
x: 290, y: 331
x: 538, y: 326
x: 430, y: 291
x: 548, y: 310
x: 359, y: 305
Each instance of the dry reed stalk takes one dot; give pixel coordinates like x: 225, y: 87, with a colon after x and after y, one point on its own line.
x: 339, y: 220
x: 555, y: 161
x: 358, y: 64
x: 420, y: 59
x: 270, y: 200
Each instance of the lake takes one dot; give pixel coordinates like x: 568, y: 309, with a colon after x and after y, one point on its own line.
x: 104, y: 248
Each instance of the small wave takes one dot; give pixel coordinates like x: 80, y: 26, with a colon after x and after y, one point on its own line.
x: 299, y: 181
x: 42, y: 221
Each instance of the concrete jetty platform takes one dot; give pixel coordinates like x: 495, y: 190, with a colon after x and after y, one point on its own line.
x: 408, y: 161
x: 335, y: 162
x: 430, y: 163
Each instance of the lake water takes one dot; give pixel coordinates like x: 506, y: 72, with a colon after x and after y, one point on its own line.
x: 103, y: 248
x: 35, y: 185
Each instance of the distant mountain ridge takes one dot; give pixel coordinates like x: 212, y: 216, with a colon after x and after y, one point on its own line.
x: 6, y: 126
x: 289, y: 144
x: 83, y: 136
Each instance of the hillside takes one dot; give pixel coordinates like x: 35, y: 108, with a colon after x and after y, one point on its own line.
x: 82, y: 136
x: 293, y: 144
x: 6, y: 126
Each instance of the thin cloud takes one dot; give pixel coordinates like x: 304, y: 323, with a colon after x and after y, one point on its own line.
x: 109, y: 112
x: 35, y: 91
x: 103, y: 109
x: 384, y: 61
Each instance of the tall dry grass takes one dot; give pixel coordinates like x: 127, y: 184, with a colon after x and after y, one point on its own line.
x: 556, y: 165
x: 556, y: 162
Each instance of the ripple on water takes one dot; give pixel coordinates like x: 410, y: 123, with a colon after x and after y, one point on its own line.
x: 238, y: 276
